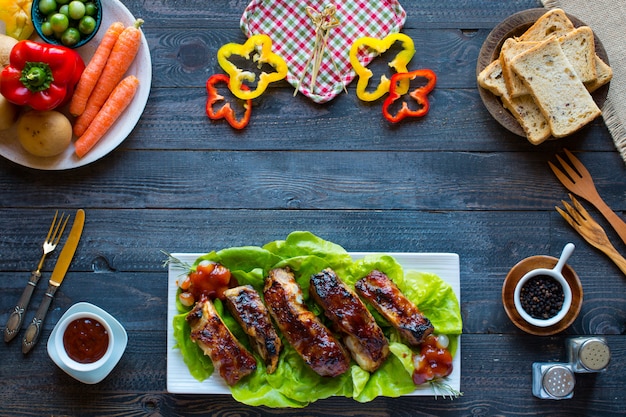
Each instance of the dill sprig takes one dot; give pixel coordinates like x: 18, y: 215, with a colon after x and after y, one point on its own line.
x: 176, y: 263
x: 445, y: 390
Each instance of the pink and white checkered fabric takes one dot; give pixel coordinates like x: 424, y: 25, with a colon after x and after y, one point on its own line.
x: 293, y: 36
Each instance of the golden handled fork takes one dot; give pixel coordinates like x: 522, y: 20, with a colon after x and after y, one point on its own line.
x: 579, y: 181
x: 591, y: 231
x: 52, y: 240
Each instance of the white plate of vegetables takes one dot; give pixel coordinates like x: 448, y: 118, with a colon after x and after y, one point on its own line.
x: 10, y: 148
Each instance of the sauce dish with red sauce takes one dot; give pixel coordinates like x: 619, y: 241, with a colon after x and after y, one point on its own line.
x: 84, y: 341
x: 87, y: 343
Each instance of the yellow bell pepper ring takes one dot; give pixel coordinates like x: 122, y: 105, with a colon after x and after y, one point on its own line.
x: 379, y: 46
x: 16, y: 17
x: 261, y: 48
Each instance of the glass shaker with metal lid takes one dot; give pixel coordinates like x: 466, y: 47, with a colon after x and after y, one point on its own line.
x: 553, y: 381
x: 588, y: 354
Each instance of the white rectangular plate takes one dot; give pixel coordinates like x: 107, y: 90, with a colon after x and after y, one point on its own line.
x: 180, y: 381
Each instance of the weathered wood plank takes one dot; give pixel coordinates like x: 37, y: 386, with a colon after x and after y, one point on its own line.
x: 310, y: 180
x: 457, y: 120
x: 424, y: 14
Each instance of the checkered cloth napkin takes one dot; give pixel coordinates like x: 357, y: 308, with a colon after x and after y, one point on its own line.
x: 292, y: 32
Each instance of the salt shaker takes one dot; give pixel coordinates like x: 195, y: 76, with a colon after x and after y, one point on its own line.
x: 553, y: 381
x: 588, y: 354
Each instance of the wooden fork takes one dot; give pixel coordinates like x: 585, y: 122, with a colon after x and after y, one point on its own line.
x: 578, y: 180
x: 591, y: 231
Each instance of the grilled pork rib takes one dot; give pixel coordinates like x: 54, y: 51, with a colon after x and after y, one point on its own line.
x: 230, y: 358
x: 385, y: 296
x: 363, y: 337
x: 302, y: 329
x: 246, y: 306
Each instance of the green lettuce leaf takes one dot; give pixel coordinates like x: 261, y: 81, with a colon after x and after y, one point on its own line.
x: 390, y: 380
x: 306, y: 243
x: 435, y: 299
x: 200, y: 365
x: 381, y: 262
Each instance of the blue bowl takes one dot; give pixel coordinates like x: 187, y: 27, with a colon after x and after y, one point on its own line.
x: 39, y: 18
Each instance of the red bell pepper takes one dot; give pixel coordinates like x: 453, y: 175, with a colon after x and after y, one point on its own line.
x: 226, y: 111
x: 39, y: 75
x: 420, y: 94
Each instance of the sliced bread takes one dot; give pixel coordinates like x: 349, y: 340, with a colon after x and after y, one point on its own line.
x: 491, y: 78
x: 604, y: 73
x: 579, y: 47
x: 511, y: 48
x: 552, y: 23
x: 552, y: 81
x: 523, y: 108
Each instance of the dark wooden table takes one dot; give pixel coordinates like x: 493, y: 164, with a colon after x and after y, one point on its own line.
x: 455, y: 181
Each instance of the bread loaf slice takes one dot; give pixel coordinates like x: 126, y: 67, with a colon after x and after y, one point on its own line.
x: 579, y: 47
x: 552, y: 23
x: 560, y: 94
x: 510, y: 49
x: 604, y: 73
x: 523, y: 108
x: 491, y: 78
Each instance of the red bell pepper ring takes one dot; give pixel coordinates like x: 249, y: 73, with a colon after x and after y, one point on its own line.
x: 226, y: 111
x: 39, y: 75
x: 420, y: 94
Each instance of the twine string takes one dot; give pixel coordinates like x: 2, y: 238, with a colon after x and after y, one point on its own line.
x: 324, y: 21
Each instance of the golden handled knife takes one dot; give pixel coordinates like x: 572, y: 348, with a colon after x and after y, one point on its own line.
x: 63, y: 263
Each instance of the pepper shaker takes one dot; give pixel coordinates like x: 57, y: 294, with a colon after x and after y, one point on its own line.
x: 588, y: 354
x: 553, y: 381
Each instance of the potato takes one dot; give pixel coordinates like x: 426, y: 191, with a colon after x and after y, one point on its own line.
x: 6, y: 44
x: 44, y: 133
x: 8, y: 113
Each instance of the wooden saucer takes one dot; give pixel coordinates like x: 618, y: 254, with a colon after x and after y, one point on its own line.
x: 518, y: 271
x: 515, y: 25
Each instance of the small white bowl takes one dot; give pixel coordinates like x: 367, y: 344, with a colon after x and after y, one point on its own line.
x: 60, y: 346
x: 90, y: 373
x: 557, y: 275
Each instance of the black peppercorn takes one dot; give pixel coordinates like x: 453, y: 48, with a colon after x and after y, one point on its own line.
x: 542, y: 297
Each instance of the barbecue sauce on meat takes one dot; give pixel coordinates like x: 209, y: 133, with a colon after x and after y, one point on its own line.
x: 363, y: 337
x: 229, y: 357
x: 319, y: 349
x: 247, y: 308
x: 389, y: 301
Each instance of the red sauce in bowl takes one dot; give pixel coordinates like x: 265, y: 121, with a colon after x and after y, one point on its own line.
x: 85, y: 340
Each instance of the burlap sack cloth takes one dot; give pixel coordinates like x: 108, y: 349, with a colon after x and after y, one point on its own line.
x: 606, y: 18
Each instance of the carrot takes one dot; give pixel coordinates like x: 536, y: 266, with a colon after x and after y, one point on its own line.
x: 90, y: 75
x: 120, y: 59
x: 113, y: 107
